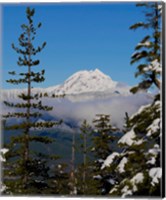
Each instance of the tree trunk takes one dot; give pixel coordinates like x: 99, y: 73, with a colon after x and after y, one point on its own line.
x: 84, y: 170
x: 26, y: 133
x: 72, y: 174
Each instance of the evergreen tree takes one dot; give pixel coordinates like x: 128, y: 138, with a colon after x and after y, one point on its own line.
x: 3, y: 151
x: 72, y: 181
x: 84, y: 131
x: 58, y: 180
x: 86, y: 185
x: 139, y: 163
x: 147, y: 52
x: 26, y: 171
x: 103, y: 135
x: 103, y: 146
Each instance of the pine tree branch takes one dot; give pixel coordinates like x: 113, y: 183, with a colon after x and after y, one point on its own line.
x: 22, y: 115
x: 38, y: 125
x: 16, y: 82
x: 31, y: 105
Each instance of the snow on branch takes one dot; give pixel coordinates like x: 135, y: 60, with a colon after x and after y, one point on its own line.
x: 154, y: 127
x: 160, y: 8
x: 108, y: 161
x: 140, y: 110
x: 137, y: 179
x: 158, y: 104
x: 126, y: 191
x: 155, y: 174
x: 144, y: 44
x: 154, y: 66
x: 128, y: 138
x: 2, y: 159
x: 121, y: 165
x: 2, y: 153
x: 153, y: 153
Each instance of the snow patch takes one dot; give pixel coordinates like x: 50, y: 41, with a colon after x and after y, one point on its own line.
x: 126, y: 192
x: 97, y: 177
x: 160, y: 8
x: 144, y: 44
x: 4, y: 150
x: 155, y: 174
x: 151, y: 161
x: 121, y: 165
x: 108, y: 161
x: 138, y: 178
x: 154, y: 127
x: 153, y: 153
x: 155, y: 150
x: 141, y: 109
x: 154, y: 66
x: 2, y: 187
x: 158, y: 104
x: 113, y: 190
x: 128, y: 138
x: 2, y: 153
x: 2, y: 159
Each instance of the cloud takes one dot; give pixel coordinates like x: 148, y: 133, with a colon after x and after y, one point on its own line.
x: 76, y: 108
x: 116, y: 106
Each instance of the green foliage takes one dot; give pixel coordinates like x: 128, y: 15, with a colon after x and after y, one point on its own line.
x: 85, y: 183
x: 140, y: 155
x: 148, y: 50
x: 145, y: 125
x: 103, y: 135
x: 142, y: 148
x: 26, y: 171
x: 103, y: 139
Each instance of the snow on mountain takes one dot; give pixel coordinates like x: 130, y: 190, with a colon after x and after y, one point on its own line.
x: 87, y: 81
x: 87, y: 93
x: 81, y: 82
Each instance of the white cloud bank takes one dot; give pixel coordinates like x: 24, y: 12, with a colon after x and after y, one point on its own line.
x: 116, y: 106
x: 78, y: 108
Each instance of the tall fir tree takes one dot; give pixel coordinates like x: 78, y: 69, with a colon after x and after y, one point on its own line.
x: 58, y: 180
x: 86, y: 185
x: 85, y: 129
x: 103, y: 140
x: 139, y: 163
x: 72, y: 181
x: 26, y: 171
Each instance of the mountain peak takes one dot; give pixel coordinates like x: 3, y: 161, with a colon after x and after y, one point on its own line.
x: 87, y: 81
x: 92, y: 81
x: 97, y: 71
x: 89, y: 74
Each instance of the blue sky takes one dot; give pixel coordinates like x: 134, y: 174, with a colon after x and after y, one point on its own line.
x: 79, y: 37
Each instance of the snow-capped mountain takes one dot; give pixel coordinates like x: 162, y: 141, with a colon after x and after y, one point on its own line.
x: 87, y: 81
x: 93, y: 81
x: 87, y: 93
